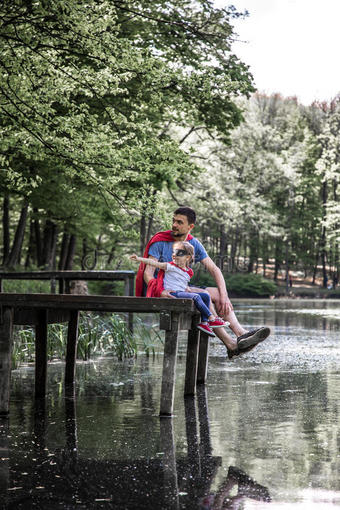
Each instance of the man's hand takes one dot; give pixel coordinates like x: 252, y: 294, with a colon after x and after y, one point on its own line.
x: 223, y: 305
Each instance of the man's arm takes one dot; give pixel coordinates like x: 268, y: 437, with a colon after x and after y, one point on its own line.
x: 224, y: 304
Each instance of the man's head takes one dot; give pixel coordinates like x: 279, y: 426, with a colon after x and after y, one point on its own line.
x: 183, y: 222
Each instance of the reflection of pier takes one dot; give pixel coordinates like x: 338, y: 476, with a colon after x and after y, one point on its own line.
x: 67, y: 478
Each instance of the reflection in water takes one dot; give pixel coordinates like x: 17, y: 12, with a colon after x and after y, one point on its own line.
x: 263, y: 433
x: 65, y: 478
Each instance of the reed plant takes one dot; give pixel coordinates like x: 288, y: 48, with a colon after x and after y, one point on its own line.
x: 102, y: 334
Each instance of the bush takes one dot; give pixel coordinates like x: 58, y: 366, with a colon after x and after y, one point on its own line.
x: 239, y: 284
x: 249, y: 285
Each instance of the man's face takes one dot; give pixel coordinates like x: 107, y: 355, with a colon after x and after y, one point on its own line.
x: 181, y: 226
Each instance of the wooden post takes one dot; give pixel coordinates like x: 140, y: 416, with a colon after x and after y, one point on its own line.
x: 41, y: 354
x: 169, y: 362
x: 61, y: 282
x: 192, y: 357
x: 129, y: 291
x: 71, y: 348
x: 203, y: 359
x: 6, y: 328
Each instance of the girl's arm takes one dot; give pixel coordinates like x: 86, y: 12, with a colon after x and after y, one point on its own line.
x: 150, y: 262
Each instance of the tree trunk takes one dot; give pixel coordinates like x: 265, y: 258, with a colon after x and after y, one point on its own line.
x: 70, y: 252
x: 5, y: 229
x: 52, y: 260
x: 315, y: 268
x: 50, y: 240
x: 14, y: 257
x: 30, y: 249
x: 142, y: 234
x: 323, y: 237
x: 277, y: 259
x: 148, y: 233
x: 63, y: 251
x: 252, y: 251
x: 233, y: 250
x: 38, y: 242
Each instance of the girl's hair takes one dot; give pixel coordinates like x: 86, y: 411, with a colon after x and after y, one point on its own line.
x: 188, y: 247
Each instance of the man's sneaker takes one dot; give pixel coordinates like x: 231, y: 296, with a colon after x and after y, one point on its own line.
x: 206, y: 329
x: 237, y: 351
x: 253, y: 337
x: 218, y: 323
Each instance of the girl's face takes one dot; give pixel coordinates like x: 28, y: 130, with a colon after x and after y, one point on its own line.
x: 181, y: 257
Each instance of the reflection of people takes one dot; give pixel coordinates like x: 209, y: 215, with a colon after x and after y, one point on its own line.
x: 246, y: 488
x: 175, y: 280
x: 159, y: 249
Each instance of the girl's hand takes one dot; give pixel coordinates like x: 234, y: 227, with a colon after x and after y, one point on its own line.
x: 166, y: 293
x: 134, y: 257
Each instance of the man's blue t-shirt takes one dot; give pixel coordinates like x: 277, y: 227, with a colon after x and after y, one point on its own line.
x: 162, y: 250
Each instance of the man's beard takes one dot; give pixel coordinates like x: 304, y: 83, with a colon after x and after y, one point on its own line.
x: 177, y: 234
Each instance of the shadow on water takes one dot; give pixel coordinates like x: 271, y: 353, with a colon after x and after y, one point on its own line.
x: 64, y: 477
x: 263, y: 433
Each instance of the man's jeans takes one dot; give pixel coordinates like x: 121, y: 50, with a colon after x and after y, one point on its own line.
x: 201, y: 300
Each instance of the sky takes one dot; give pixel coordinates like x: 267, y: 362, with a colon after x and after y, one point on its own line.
x: 291, y: 46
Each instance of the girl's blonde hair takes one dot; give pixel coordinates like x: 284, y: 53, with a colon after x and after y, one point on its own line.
x: 188, y: 247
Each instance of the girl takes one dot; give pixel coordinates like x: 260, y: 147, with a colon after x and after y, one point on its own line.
x: 177, y: 275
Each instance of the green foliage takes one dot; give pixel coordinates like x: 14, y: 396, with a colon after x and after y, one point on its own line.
x: 239, y: 284
x: 98, y: 335
x: 249, y: 285
x: 202, y: 278
x: 89, y: 91
x: 26, y: 286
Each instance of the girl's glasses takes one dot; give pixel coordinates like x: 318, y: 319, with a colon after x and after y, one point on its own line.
x: 180, y: 253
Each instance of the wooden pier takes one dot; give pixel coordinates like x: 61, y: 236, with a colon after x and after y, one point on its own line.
x: 40, y: 310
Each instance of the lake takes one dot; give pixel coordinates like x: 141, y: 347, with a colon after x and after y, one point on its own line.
x: 262, y: 433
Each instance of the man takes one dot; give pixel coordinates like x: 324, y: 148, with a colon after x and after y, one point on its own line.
x: 160, y: 248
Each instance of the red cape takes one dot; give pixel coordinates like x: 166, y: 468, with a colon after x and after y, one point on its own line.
x: 155, y: 285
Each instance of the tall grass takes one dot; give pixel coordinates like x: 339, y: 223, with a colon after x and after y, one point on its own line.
x: 98, y: 335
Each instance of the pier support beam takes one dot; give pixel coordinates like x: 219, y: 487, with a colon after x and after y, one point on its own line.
x: 169, y: 322
x: 6, y: 330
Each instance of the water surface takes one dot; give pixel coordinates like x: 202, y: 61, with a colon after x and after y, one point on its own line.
x: 263, y: 433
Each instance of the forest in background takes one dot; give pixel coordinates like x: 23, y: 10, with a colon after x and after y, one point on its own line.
x: 113, y: 113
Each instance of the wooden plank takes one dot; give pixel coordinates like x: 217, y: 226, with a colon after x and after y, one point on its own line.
x: 71, y: 349
x: 192, y: 357
x: 41, y: 354
x: 6, y: 330
x: 30, y: 317
x: 169, y: 367
x: 96, y: 303
x: 203, y: 358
